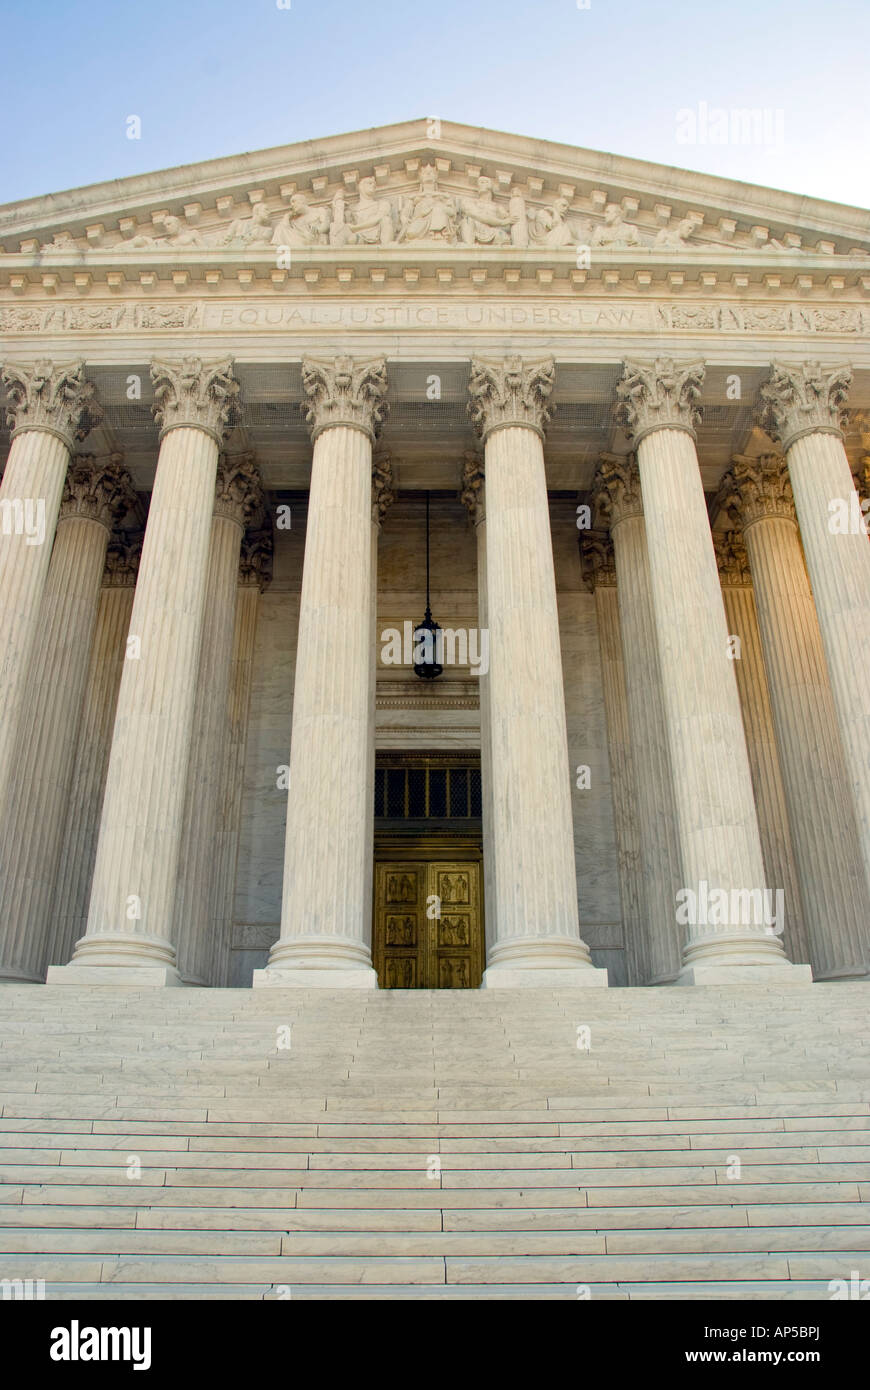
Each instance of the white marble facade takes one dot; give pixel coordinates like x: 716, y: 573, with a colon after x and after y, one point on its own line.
x: 640, y: 405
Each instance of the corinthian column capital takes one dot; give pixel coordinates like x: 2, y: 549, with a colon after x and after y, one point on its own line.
x: 122, y: 560
x: 662, y: 394
x: 50, y: 397
x: 510, y: 391
x: 597, y: 561
x: 383, y: 493
x: 731, y: 560
x: 345, y: 391
x: 97, y: 490
x: 471, y: 493
x: 238, y: 492
x: 616, y: 489
x: 195, y: 394
x: 804, y: 399
x: 255, y: 560
x: 754, y: 488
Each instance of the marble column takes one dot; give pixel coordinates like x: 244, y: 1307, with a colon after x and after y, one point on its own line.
x: 802, y: 410
x: 599, y: 574
x: 238, y: 499
x: 255, y: 574
x: 96, y: 496
x: 617, y: 492
x: 756, y: 495
x: 69, y: 914
x: 130, y: 916
x: 473, y: 495
x: 48, y: 409
x: 325, y: 915
x: 722, y: 900
x: 770, y: 804
x: 538, y: 938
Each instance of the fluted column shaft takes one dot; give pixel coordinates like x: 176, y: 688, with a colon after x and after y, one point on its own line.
x: 35, y: 471
x: 131, y: 908
x: 221, y: 893
x: 719, y: 841
x: 839, y: 567
x: 326, y: 865
x: 69, y: 914
x: 197, y: 853
x: 773, y: 825
x: 618, y: 495
x: 474, y: 496
x: 803, y: 409
x: 32, y: 827
x: 819, y: 804
x: 49, y: 407
x: 602, y: 580
x: 536, y: 887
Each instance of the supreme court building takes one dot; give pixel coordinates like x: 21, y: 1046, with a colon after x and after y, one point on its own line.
x: 622, y: 411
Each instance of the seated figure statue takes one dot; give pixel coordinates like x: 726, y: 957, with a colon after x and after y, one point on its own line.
x: 302, y: 225
x: 429, y: 215
x: 483, y: 222
x: 368, y: 223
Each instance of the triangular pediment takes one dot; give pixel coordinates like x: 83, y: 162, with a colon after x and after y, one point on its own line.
x: 428, y: 189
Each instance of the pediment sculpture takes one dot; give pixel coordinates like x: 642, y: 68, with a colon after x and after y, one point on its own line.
x: 434, y: 216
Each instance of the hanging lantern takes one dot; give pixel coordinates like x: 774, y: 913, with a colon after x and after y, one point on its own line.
x: 426, y: 632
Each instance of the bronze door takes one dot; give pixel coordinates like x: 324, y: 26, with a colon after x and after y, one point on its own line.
x: 428, y: 932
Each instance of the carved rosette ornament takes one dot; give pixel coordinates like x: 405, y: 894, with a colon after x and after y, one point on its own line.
x: 471, y: 494
x: 804, y: 399
x: 53, y: 398
x: 97, y: 490
x: 755, y: 488
x: 616, y: 489
x: 122, y: 560
x: 192, y: 394
x: 383, y: 493
x: 597, y: 560
x: 510, y: 391
x: 732, y: 560
x: 345, y: 391
x: 238, y: 494
x: 255, y: 559
x: 662, y: 394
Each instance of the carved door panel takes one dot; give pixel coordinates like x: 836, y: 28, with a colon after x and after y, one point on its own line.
x: 455, y: 938
x: 399, y: 954
x: 415, y: 950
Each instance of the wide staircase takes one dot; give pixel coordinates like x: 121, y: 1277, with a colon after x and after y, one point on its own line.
x: 700, y: 1143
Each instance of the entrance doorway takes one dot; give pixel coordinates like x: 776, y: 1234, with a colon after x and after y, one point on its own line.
x: 427, y: 919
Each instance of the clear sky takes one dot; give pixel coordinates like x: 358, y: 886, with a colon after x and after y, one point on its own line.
x: 217, y: 77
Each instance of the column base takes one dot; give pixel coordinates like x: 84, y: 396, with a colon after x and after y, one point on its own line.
x: 128, y: 959
x: 116, y: 976
x: 785, y: 975
x: 317, y: 962
x: 276, y: 977
x: 542, y: 963
x: 533, y: 977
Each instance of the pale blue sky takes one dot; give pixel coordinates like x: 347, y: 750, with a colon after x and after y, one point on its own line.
x: 216, y: 77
